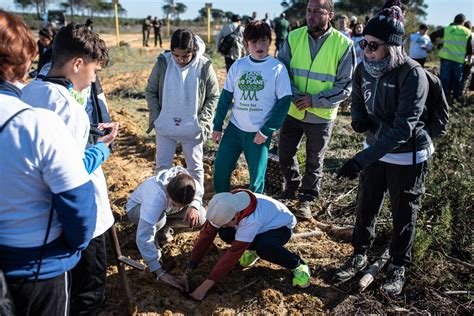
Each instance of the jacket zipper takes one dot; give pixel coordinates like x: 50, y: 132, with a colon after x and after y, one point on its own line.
x: 373, y: 108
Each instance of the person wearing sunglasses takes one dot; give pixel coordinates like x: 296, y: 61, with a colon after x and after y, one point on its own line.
x: 388, y: 97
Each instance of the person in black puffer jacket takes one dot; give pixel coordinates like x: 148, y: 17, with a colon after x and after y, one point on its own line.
x: 396, y: 149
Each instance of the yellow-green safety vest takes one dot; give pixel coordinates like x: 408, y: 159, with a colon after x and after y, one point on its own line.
x: 313, y: 76
x: 454, y: 43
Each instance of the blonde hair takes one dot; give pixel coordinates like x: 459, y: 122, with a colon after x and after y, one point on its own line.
x: 397, y: 56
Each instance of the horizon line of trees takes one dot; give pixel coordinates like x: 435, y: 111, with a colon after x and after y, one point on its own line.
x: 89, y: 7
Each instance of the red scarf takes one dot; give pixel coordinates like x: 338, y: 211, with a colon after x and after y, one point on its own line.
x: 249, y: 209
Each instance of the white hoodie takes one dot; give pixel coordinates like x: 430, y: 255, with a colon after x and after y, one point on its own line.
x: 153, y: 200
x: 179, y: 114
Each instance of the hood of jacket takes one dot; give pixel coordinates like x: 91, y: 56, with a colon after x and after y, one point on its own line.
x: 164, y: 177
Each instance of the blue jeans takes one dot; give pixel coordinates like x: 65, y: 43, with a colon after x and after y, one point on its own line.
x: 451, y: 76
x: 269, y: 246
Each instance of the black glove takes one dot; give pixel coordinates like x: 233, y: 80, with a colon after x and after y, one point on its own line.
x: 349, y: 170
x: 361, y: 126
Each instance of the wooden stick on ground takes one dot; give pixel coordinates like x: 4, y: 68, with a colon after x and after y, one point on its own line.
x: 339, y: 232
x: 371, y: 271
x: 455, y: 260
x: 245, y: 287
x: 313, y: 233
x: 458, y: 292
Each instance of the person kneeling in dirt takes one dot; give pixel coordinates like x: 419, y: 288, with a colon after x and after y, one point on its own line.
x: 256, y: 226
x: 172, y: 197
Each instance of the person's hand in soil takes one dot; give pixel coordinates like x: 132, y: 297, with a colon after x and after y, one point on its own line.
x: 259, y: 138
x: 183, y: 280
x: 109, y: 138
x: 216, y: 136
x: 192, y: 216
x: 200, y: 293
x: 169, y: 279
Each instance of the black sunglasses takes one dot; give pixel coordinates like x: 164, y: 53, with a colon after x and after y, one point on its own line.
x: 373, y: 46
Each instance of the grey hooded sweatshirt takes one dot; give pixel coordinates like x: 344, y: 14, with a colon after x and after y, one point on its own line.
x: 182, y: 100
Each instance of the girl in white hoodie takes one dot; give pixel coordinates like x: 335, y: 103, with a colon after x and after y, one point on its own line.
x: 172, y: 197
x: 182, y: 94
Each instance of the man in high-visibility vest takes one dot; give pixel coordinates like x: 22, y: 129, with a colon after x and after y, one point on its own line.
x: 456, y: 46
x: 320, y: 61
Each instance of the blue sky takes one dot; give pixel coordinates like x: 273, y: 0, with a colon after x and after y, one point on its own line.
x: 440, y: 12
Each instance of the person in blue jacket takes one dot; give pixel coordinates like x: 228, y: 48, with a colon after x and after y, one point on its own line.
x: 47, y: 213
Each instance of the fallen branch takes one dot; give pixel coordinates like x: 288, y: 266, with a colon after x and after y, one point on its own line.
x: 458, y: 292
x: 329, y: 205
x: 245, y: 287
x: 344, y: 233
x: 340, y: 197
x: 452, y: 259
x: 314, y: 233
x: 372, y: 271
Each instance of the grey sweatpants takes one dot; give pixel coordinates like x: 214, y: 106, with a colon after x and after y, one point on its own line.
x: 192, y: 150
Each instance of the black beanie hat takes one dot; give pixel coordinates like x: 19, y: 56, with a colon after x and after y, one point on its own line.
x: 387, y: 25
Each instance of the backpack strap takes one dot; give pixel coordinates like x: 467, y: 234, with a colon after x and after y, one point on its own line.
x: 405, y: 70
x: 11, y: 118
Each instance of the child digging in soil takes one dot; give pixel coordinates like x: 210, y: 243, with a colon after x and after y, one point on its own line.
x: 256, y: 226
x: 261, y: 90
x: 172, y: 197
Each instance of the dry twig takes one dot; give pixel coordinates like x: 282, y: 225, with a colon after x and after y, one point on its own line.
x: 313, y: 233
x: 458, y: 292
x: 245, y: 287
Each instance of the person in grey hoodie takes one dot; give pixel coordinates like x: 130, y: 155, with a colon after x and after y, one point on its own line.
x: 182, y: 94
x: 388, y: 99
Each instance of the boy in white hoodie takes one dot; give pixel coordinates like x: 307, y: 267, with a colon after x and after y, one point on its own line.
x: 171, y: 197
x: 182, y: 93
x: 78, y: 54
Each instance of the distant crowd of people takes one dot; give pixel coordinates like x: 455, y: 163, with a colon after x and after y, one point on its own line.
x: 149, y: 24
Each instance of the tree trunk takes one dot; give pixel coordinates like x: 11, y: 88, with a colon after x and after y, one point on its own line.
x: 38, y: 11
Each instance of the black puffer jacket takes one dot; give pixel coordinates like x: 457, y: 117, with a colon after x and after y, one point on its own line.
x: 388, y: 111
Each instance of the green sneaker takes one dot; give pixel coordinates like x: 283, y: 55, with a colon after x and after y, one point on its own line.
x: 301, y: 276
x: 248, y: 258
